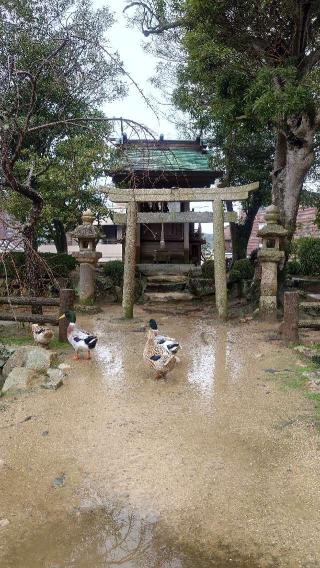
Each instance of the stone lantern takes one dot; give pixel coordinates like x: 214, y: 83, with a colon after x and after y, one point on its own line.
x: 270, y: 257
x: 88, y: 237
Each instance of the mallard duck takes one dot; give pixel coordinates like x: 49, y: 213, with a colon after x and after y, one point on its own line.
x: 80, y: 340
x: 41, y: 335
x: 169, y: 343
x: 157, y: 356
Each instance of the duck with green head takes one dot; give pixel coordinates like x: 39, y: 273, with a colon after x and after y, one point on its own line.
x: 81, y: 341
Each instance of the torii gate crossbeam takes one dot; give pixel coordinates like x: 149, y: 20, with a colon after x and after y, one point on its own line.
x: 132, y: 196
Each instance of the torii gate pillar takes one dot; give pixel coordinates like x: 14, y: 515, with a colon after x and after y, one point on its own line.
x: 220, y: 273
x: 130, y: 260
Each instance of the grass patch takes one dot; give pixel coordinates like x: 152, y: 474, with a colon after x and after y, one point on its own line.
x: 21, y: 341
x: 297, y: 380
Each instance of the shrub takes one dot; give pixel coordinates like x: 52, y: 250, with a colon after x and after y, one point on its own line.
x: 207, y: 269
x: 308, y: 253
x: 114, y: 270
x: 13, y: 264
x: 294, y: 267
x: 60, y: 263
x: 245, y: 268
x: 234, y: 276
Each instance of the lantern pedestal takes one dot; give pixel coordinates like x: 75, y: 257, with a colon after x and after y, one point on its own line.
x: 270, y: 257
x: 88, y: 237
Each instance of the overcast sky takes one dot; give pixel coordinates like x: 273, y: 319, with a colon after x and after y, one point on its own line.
x: 141, y: 66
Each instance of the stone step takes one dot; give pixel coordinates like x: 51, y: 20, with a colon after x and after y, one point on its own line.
x: 168, y: 296
x: 165, y: 286
x: 167, y: 278
x: 310, y: 306
x: 313, y: 324
x: 313, y: 297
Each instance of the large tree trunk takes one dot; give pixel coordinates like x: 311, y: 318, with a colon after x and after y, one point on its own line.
x: 294, y: 157
x: 59, y: 236
x: 240, y: 233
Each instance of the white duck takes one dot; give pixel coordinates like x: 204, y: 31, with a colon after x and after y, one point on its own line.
x: 42, y: 335
x: 169, y: 343
x: 80, y: 340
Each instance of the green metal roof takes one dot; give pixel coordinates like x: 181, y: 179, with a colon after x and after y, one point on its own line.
x: 172, y: 156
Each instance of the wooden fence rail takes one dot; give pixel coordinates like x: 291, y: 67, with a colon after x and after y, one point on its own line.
x: 291, y: 319
x: 64, y: 302
x: 28, y: 301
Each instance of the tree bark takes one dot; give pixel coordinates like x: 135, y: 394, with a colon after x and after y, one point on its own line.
x: 294, y: 157
x: 240, y: 233
x: 59, y: 236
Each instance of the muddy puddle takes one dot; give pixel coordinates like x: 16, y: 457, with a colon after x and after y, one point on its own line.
x: 218, y: 466
x: 110, y: 535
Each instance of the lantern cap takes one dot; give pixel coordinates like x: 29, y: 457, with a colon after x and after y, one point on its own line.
x: 272, y: 227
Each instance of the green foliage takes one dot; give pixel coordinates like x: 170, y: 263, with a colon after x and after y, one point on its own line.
x: 64, y: 45
x: 293, y: 267
x: 61, y: 264
x: 234, y: 276
x: 114, y: 270
x: 244, y: 267
x: 68, y: 184
x: 270, y: 103
x: 12, y: 264
x: 308, y: 253
x: 207, y: 269
x: 250, y: 69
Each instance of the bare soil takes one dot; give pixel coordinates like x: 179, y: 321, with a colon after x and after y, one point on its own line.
x: 217, y: 466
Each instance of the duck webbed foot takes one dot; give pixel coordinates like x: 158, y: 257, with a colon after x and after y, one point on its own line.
x: 160, y: 375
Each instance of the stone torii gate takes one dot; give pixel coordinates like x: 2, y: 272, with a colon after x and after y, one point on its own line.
x: 132, y: 196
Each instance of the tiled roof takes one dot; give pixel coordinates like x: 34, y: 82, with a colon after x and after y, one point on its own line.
x: 173, y: 156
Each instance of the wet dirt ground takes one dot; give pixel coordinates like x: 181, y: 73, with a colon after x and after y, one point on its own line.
x: 217, y: 466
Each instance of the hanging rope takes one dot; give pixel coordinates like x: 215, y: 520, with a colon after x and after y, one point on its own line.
x: 162, y: 241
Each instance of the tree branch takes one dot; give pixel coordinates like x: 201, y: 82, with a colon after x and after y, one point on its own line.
x: 76, y: 121
x: 160, y: 27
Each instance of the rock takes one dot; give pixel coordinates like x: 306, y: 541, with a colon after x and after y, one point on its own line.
x: 39, y: 359
x: 3, y: 523
x: 272, y: 371
x: 20, y: 378
x: 64, y: 366
x: 18, y: 359
x: 53, y: 380
x: 314, y: 385
x: 312, y: 375
x: 59, y: 481
x: 5, y: 354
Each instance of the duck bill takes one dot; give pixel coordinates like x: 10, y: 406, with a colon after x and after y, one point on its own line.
x: 61, y: 317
